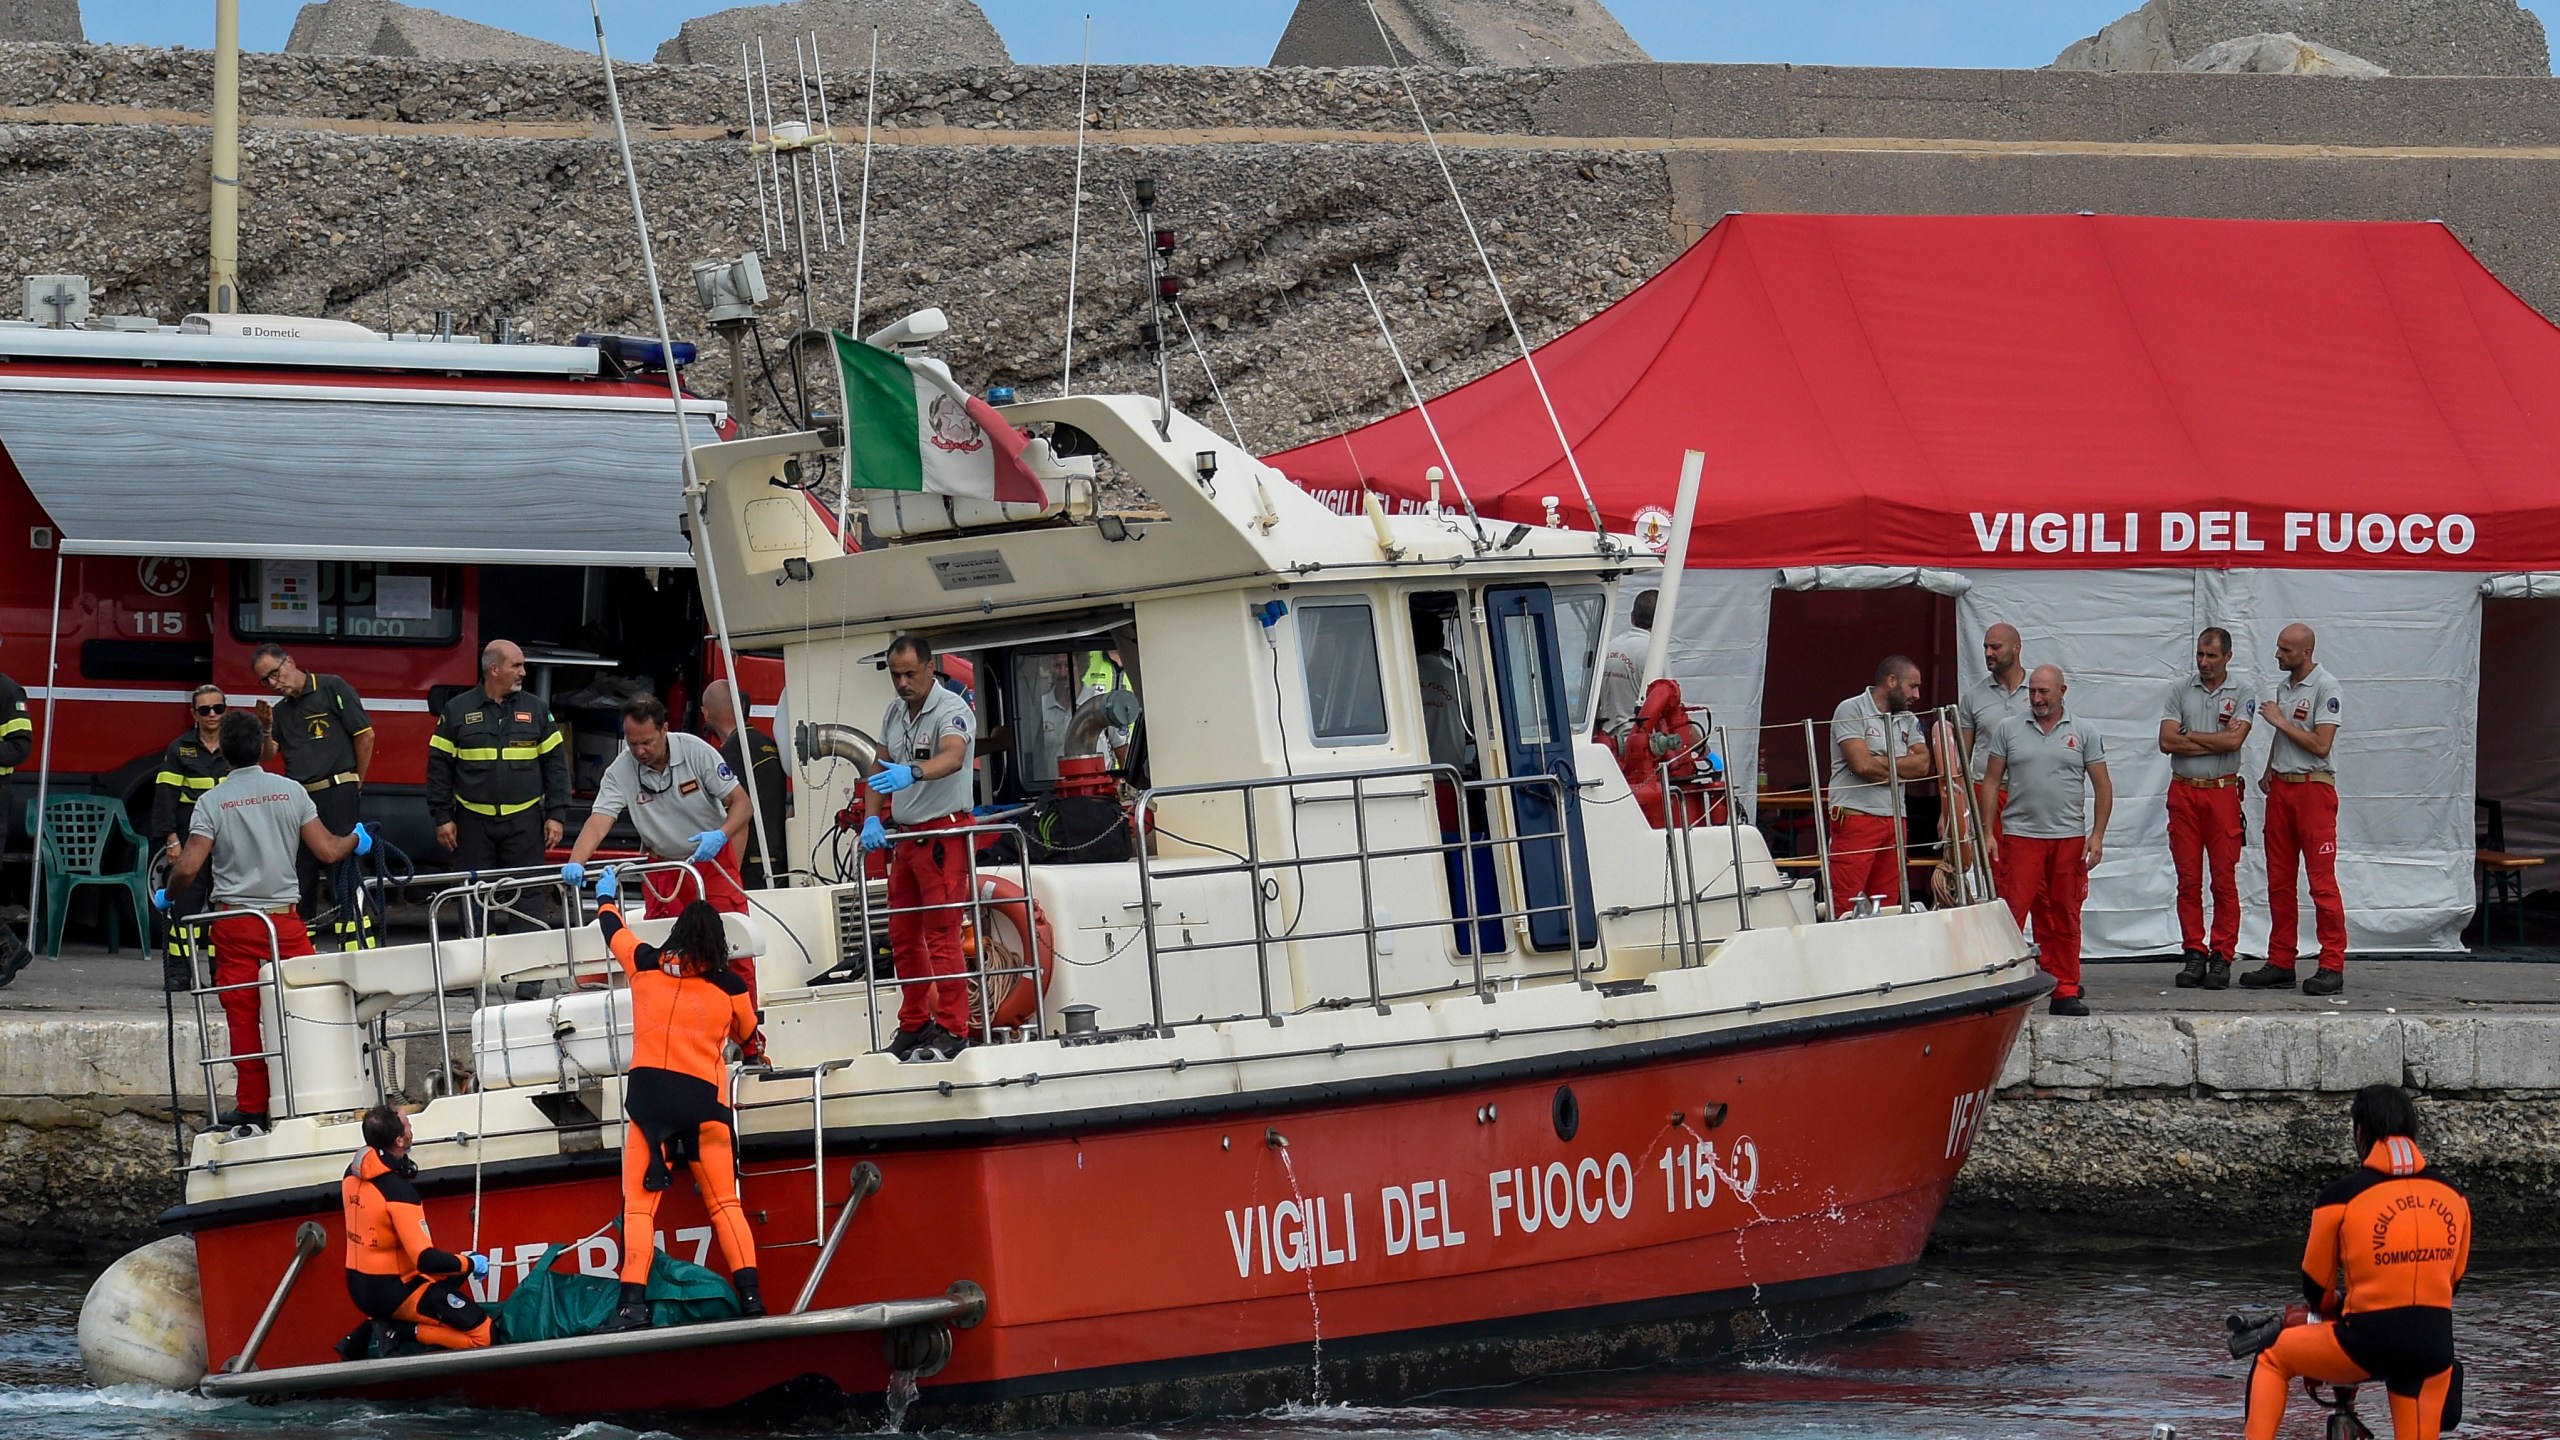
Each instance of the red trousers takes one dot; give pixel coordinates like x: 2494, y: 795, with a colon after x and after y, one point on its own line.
x: 930, y: 870
x: 240, y: 946
x: 2302, y: 836
x: 664, y: 894
x: 2048, y: 880
x: 1862, y: 860
x: 2204, y: 843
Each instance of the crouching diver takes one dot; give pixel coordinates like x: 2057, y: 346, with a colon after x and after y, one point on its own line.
x: 686, y: 1005
x: 2388, y: 1247
x: 408, y: 1289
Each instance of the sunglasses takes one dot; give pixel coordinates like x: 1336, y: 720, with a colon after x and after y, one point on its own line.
x: 209, y: 709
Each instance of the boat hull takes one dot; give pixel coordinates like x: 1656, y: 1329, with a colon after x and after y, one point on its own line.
x: 1674, y: 1197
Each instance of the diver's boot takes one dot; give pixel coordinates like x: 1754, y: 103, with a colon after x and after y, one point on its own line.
x: 750, y: 1294
x: 358, y: 1343
x: 631, y: 1314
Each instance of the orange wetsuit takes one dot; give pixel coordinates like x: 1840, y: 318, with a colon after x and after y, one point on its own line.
x: 675, y: 1095
x: 2388, y: 1246
x: 395, y: 1273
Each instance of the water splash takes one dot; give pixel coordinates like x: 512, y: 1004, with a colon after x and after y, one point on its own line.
x: 902, y: 1393
x: 1307, y: 1250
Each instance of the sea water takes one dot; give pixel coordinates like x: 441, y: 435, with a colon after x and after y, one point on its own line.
x: 1978, y: 1347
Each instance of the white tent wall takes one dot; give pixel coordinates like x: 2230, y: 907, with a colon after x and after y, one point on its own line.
x: 2405, y: 647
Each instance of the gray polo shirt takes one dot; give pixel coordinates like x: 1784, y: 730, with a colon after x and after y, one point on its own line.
x: 911, y: 740
x: 2048, y: 776
x: 1889, y: 736
x: 1984, y: 707
x: 2311, y: 704
x: 255, y: 820
x: 2200, y: 711
x: 671, y: 806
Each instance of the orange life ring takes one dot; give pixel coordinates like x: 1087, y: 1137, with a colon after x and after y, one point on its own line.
x: 1010, y: 999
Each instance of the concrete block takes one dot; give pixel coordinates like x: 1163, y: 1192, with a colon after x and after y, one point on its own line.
x: 2070, y: 1054
x: 94, y: 1058
x: 2516, y: 1052
x: 2255, y: 1052
x: 2151, y: 1053
x: 2359, y: 1050
x: 2440, y: 1052
x: 2021, y: 1061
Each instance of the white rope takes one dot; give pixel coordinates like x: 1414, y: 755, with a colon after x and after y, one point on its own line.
x: 1499, y: 294
x: 1075, y: 213
x: 1447, y: 464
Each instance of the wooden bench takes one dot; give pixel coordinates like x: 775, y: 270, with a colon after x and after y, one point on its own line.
x: 2501, y: 876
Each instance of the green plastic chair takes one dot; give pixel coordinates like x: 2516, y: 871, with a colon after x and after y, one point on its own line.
x: 79, y: 831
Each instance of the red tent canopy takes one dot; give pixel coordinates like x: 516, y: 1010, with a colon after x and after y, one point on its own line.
x: 2015, y: 391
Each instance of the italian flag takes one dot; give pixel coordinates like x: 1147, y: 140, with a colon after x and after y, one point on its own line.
x: 909, y: 426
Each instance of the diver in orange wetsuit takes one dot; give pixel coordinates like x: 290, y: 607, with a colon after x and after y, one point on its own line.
x: 395, y: 1273
x: 687, y: 1005
x: 2389, y: 1245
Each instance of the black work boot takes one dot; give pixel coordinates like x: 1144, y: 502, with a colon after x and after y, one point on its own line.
x: 2325, y: 982
x: 2191, y: 974
x: 906, y: 1040
x: 631, y: 1314
x: 750, y: 1294
x: 2268, y: 977
x: 2217, y: 972
x: 2067, y: 1005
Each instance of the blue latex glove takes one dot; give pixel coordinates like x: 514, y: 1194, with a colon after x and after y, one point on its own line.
x: 479, y: 1266
x: 608, y: 886
x: 874, y: 837
x: 364, y: 840
x: 709, y: 843
x: 573, y: 873
x: 890, y: 779
x: 160, y: 901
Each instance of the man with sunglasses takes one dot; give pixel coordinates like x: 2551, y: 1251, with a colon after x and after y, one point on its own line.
x: 192, y: 765
x: 319, y: 729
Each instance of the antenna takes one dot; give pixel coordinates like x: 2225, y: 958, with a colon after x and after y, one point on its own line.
x: 1160, y: 288
x: 862, y: 232
x: 1075, y: 214
x: 1499, y: 293
x: 1447, y: 464
x: 764, y: 75
x: 696, y: 512
x: 800, y: 178
x: 747, y: 72
x: 835, y: 184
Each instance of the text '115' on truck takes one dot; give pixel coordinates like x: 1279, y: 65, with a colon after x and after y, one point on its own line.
x: 381, y: 505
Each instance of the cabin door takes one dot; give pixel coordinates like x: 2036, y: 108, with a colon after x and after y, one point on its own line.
x: 1537, y: 739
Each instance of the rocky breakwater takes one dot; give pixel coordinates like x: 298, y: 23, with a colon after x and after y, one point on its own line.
x: 86, y: 1144
x: 2218, y: 1129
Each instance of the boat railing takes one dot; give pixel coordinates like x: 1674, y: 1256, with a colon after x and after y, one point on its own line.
x: 1796, y: 819
x: 1263, y: 870
x: 985, y: 978
x: 206, y: 987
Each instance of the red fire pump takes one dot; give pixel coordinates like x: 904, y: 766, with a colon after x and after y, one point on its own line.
x: 1664, y: 742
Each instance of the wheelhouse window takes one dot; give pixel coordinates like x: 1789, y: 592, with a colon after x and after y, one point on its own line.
x: 1338, y: 653
x: 1525, y: 704
x: 1582, y: 637
x: 346, y: 601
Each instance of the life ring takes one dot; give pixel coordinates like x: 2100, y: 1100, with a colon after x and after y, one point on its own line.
x: 1009, y: 999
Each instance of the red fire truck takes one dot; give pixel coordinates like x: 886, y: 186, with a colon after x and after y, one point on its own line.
x: 170, y: 499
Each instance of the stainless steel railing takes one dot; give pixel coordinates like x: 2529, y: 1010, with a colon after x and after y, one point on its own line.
x: 872, y: 916
x: 1263, y: 871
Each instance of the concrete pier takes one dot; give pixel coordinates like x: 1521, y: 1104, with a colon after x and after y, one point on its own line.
x: 2168, y: 1114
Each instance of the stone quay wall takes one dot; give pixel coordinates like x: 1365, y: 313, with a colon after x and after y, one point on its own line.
x: 386, y: 190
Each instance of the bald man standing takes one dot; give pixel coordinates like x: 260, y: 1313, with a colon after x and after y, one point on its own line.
x: 1982, y: 709
x: 498, y: 769
x: 2301, y: 787
x: 2053, y: 825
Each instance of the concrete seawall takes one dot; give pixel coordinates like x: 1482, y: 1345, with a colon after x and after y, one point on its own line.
x: 2204, y: 1128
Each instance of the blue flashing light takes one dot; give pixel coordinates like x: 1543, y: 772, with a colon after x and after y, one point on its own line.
x: 639, y: 354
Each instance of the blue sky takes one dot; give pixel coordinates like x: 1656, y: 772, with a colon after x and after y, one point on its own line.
x: 2000, y: 33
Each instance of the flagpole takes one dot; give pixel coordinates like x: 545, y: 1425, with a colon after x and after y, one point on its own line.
x: 861, y: 245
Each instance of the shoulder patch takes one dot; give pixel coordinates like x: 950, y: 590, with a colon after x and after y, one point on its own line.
x: 726, y: 773
x: 729, y: 981
x: 2333, y: 704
